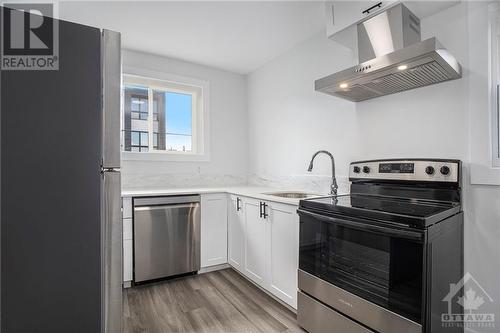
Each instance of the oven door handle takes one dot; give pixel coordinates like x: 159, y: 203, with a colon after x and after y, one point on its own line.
x: 400, y: 233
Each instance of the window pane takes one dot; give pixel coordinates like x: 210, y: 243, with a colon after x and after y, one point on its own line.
x: 134, y: 106
x: 144, y: 139
x: 139, y: 103
x: 155, y: 140
x: 135, y: 138
x: 135, y: 112
x: 173, y: 121
x: 179, y: 113
x: 178, y: 142
x: 179, y: 121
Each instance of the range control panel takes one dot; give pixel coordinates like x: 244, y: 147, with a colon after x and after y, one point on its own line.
x: 412, y: 170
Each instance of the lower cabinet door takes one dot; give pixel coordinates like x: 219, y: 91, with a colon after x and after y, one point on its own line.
x: 235, y: 232
x: 283, y: 228
x: 255, y: 242
x: 213, y: 242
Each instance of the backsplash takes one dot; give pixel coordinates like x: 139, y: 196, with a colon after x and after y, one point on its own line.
x: 315, y: 184
x: 134, y: 181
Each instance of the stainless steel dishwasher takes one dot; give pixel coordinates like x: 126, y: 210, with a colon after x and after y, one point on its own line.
x: 166, y: 236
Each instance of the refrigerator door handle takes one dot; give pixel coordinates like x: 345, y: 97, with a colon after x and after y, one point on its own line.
x: 112, y: 254
x: 111, y: 220
x: 111, y: 99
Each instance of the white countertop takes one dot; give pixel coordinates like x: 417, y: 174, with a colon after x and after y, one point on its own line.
x: 245, y: 191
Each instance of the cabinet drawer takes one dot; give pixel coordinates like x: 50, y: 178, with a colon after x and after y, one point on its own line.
x: 127, y: 229
x: 312, y: 315
x: 127, y: 208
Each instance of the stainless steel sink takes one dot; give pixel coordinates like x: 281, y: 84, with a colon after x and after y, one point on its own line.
x: 293, y: 195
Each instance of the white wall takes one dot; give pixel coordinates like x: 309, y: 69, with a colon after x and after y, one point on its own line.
x: 228, y: 131
x: 429, y: 121
x: 288, y: 121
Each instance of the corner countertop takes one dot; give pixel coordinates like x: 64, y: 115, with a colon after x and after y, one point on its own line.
x: 245, y: 191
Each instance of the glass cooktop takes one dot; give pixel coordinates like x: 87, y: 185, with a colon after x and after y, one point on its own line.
x: 400, y: 210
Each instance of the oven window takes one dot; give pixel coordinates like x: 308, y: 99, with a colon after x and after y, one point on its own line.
x: 380, y: 268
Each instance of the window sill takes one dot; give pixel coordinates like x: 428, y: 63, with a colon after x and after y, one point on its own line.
x: 164, y: 157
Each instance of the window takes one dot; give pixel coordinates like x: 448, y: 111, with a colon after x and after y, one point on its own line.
x: 139, y: 141
x: 162, y: 117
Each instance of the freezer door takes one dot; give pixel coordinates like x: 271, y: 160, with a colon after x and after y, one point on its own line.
x: 111, y: 85
x: 112, y: 254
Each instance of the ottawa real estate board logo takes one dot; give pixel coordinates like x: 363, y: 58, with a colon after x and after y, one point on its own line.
x: 29, y: 37
x: 472, y: 297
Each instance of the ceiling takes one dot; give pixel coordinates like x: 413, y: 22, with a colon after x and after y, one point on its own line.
x: 237, y: 36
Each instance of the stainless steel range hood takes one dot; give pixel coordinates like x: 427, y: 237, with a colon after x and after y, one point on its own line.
x: 392, y: 59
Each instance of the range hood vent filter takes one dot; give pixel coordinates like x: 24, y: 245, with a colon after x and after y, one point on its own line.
x: 416, y: 77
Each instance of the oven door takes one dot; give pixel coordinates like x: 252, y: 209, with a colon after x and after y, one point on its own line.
x: 374, y: 262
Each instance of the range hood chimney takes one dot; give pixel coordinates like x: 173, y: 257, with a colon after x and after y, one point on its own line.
x: 391, y: 59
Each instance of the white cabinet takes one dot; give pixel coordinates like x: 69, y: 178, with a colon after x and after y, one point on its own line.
x: 235, y: 231
x: 127, y: 228
x: 127, y: 240
x: 127, y: 261
x: 283, y: 251
x: 127, y: 208
x: 269, y: 256
x: 213, y: 241
x: 341, y: 14
x: 255, y: 241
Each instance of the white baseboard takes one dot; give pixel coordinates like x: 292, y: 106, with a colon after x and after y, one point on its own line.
x: 213, y: 268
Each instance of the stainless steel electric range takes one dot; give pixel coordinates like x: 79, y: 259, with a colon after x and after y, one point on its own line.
x: 382, y: 258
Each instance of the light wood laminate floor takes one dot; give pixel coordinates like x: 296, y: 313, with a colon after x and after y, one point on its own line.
x: 221, y: 301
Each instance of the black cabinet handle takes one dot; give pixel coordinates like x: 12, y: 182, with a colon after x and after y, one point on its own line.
x: 261, y: 209
x: 265, y: 215
x: 367, y: 11
x: 238, y: 204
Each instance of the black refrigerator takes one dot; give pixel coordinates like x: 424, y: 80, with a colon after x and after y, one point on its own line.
x: 61, y: 234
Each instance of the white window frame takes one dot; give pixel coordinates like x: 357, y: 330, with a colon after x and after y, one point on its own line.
x: 483, y: 101
x: 200, y: 116
x: 495, y: 85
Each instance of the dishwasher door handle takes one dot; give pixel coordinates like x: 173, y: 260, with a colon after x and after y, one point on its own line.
x: 165, y: 207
